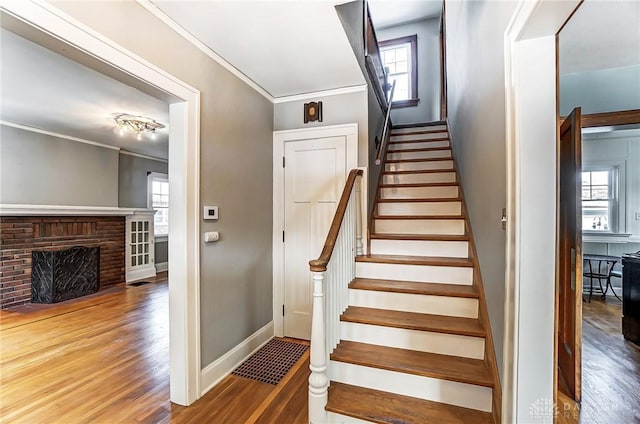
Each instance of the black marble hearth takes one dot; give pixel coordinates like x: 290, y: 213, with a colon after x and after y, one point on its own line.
x: 64, y: 274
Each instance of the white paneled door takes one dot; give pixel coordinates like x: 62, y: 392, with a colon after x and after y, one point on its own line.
x: 314, y: 176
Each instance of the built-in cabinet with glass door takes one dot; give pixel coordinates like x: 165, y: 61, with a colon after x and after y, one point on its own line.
x: 140, y: 246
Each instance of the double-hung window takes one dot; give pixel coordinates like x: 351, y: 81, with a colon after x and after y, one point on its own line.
x: 158, y: 199
x: 399, y: 57
x: 600, y: 202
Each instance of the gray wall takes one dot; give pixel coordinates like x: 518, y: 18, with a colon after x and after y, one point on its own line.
x: 132, y: 179
x: 132, y: 190
x: 350, y: 15
x: 338, y: 109
x: 40, y: 169
x: 236, y: 172
x: 603, y: 90
x: 476, y: 106
x: 428, y: 32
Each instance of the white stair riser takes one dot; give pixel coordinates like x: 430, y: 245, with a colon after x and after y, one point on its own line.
x: 422, y: 341
x: 420, y: 166
x: 419, y: 303
x: 334, y: 418
x: 420, y: 226
x: 425, y: 154
x: 415, y: 129
x: 412, y: 137
x: 429, y: 177
x: 419, y: 208
x: 418, y: 192
x: 449, y: 249
x: 416, y: 273
x: 394, y: 147
x: 433, y: 389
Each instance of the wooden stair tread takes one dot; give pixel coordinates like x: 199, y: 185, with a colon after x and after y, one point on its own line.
x: 430, y: 289
x: 392, y: 217
x: 454, y: 184
x: 430, y: 237
x: 421, y: 199
x: 416, y: 260
x: 419, y: 140
x: 424, y: 149
x: 390, y: 408
x: 420, y: 132
x: 414, y: 321
x: 426, y: 364
x: 421, y: 171
x: 417, y: 160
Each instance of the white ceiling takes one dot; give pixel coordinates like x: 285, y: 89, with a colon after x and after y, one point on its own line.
x: 386, y: 13
x: 286, y: 47
x: 600, y: 35
x: 45, y: 90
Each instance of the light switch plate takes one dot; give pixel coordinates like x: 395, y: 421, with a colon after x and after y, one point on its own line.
x: 210, y: 212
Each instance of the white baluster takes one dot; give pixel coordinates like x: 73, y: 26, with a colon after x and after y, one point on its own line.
x: 318, y: 381
x: 359, y: 244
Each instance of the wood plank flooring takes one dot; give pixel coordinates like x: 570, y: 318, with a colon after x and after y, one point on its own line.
x: 610, y: 371
x: 104, y: 358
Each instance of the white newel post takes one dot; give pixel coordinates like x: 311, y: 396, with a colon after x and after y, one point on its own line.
x: 318, y: 381
x: 359, y: 244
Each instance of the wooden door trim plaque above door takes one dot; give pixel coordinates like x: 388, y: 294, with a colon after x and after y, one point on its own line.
x: 350, y: 132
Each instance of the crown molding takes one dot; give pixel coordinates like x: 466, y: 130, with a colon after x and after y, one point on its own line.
x: 323, y: 93
x: 180, y: 30
x: 138, y: 155
x: 58, y: 135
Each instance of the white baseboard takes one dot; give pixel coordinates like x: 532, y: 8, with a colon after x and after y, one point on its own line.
x: 213, y: 373
x: 138, y: 274
x: 162, y: 267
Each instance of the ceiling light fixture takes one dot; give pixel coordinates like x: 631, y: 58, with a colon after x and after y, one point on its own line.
x: 137, y: 124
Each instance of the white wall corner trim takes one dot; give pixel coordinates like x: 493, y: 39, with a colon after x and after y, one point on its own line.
x: 58, y: 135
x: 323, y: 93
x: 184, y: 151
x: 147, y: 4
x: 213, y: 373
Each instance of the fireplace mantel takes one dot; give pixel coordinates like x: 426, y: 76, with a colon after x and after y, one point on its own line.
x: 57, y: 210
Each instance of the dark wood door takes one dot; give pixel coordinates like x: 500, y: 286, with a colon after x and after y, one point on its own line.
x: 570, y: 254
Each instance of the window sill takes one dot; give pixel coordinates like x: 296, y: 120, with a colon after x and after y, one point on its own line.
x: 604, y: 237
x: 404, y: 103
x: 160, y: 239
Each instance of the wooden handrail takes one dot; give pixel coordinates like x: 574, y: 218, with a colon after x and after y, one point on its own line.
x: 373, y: 61
x: 320, y: 264
x: 385, y: 128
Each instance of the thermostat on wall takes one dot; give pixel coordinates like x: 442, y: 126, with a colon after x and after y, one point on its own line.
x: 210, y: 212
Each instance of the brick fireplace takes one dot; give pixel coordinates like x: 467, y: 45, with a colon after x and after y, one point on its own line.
x: 20, y: 235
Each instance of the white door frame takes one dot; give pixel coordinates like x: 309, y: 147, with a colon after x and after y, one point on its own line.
x: 530, y: 275
x: 350, y: 131
x: 184, y: 180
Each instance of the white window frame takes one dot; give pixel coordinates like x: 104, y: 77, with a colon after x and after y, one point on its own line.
x: 151, y: 177
x: 617, y: 197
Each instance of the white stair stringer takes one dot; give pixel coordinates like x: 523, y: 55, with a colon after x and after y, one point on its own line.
x: 452, y: 207
x: 450, y: 249
x: 433, y: 389
x: 423, y: 178
x: 415, y: 273
x: 422, y: 341
x: 419, y: 303
x: 420, y: 226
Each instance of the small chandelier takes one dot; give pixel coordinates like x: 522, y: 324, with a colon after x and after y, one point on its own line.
x: 137, y: 124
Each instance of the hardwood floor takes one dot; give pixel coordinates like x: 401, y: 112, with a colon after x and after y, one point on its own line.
x: 104, y: 358
x: 610, y: 371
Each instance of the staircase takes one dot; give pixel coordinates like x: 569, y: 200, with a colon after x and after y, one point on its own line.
x: 415, y: 343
